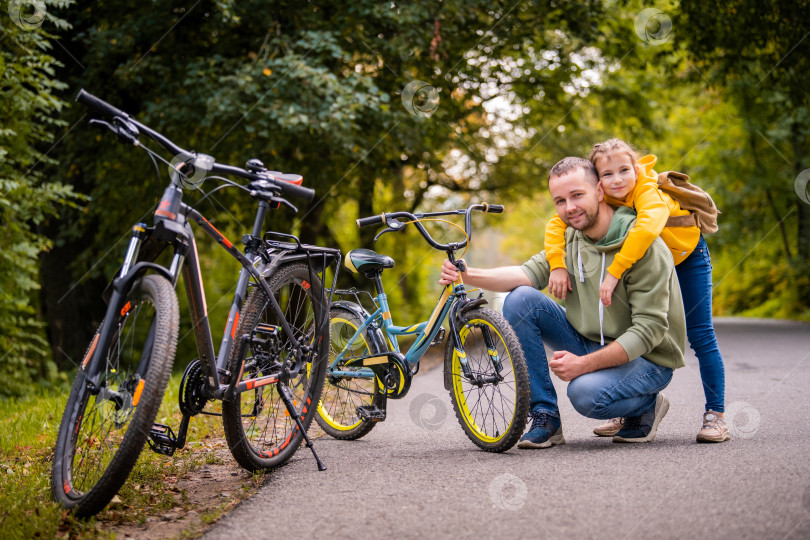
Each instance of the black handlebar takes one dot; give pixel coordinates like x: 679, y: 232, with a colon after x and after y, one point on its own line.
x: 89, y: 100
x: 390, y: 219
x: 371, y: 220
x: 279, y: 184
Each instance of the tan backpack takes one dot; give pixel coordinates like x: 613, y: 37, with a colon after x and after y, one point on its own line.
x: 692, y: 198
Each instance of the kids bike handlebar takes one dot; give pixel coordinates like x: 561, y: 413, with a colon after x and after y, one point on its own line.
x: 393, y: 224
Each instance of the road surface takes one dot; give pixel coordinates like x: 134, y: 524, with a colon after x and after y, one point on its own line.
x: 416, y: 475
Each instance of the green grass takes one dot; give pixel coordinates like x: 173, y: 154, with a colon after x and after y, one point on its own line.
x: 28, y: 428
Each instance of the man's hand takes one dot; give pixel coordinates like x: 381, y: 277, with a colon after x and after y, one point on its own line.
x: 559, y: 283
x: 606, y: 290
x: 449, y: 273
x: 568, y: 366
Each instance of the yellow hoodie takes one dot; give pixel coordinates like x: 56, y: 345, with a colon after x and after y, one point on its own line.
x: 653, y: 207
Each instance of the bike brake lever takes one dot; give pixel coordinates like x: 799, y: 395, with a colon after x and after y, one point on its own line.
x: 394, y: 225
x: 97, y: 122
x: 285, y: 202
x: 382, y: 232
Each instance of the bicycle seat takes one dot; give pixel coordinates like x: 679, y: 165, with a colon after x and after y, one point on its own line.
x: 364, y: 261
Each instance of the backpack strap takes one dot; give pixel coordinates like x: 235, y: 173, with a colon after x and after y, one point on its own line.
x: 689, y: 220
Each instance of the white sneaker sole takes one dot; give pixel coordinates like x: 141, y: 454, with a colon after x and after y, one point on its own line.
x: 556, y: 440
x: 661, y: 408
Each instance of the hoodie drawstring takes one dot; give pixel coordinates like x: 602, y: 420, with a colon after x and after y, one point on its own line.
x: 601, y: 305
x: 601, y: 279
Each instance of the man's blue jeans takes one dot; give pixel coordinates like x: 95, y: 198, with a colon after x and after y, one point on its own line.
x: 626, y: 390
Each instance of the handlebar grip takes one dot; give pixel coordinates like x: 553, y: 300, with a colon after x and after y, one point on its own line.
x: 292, y: 190
x: 495, y: 209
x: 371, y: 220
x: 89, y: 100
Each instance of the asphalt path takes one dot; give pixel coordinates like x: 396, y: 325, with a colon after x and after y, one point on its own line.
x: 417, y: 474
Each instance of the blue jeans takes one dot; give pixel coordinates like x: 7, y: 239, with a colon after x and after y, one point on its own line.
x: 695, y: 277
x: 626, y: 390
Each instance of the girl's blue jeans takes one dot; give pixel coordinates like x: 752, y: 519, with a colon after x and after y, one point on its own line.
x: 626, y: 390
x: 695, y: 277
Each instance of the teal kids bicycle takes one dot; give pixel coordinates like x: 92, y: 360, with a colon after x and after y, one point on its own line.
x: 484, y: 368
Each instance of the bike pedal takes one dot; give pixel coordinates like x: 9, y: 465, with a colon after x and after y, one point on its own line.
x: 371, y: 413
x: 162, y: 440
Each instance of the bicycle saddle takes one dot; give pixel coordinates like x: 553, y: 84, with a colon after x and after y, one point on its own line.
x: 365, y: 260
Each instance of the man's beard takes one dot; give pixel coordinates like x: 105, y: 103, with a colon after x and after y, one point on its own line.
x: 590, y: 220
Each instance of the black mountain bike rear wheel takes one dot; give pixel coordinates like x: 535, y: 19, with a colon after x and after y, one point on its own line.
x: 260, y: 432
x: 101, y: 435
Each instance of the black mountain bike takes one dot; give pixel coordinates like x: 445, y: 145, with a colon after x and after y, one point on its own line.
x: 269, y: 369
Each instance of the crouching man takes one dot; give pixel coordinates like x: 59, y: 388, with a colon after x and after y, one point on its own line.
x: 616, y: 359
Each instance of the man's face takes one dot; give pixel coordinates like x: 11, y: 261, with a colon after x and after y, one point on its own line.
x: 576, y: 199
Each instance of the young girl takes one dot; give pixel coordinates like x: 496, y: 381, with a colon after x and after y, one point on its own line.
x: 629, y: 181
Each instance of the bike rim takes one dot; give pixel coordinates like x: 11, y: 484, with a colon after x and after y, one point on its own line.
x: 104, y: 419
x: 358, y: 391
x: 488, y: 411
x: 267, y: 424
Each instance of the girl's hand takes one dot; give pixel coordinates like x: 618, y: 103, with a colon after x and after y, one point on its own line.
x: 606, y: 290
x: 559, y: 283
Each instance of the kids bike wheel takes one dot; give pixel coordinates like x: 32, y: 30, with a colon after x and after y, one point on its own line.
x: 343, y: 393
x: 102, y: 433
x: 260, y: 432
x: 492, y: 403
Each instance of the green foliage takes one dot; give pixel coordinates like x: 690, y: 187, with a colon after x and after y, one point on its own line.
x: 755, y: 56
x: 313, y: 88
x: 27, y: 197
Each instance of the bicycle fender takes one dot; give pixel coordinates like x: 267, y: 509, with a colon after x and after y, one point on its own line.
x: 279, y: 257
x: 123, y: 284
x: 374, y: 334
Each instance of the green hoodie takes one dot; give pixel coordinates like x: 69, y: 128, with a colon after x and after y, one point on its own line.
x: 646, y: 313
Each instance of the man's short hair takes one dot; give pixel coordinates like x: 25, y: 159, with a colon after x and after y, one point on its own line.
x: 566, y: 165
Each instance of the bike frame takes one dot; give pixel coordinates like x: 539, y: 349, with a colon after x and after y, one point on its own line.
x: 173, y: 228
x: 425, y: 331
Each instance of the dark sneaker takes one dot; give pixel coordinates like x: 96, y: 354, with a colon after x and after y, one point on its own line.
x: 714, y: 429
x: 546, y: 431
x: 638, y: 429
x: 609, y: 428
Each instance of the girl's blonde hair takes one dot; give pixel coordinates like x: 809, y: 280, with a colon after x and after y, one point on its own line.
x: 610, y: 146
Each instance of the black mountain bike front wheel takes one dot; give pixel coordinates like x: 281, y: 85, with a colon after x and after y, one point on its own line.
x: 492, y: 405
x: 260, y: 431
x: 102, y: 433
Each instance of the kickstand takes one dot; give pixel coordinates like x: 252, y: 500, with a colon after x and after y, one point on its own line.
x: 286, y: 397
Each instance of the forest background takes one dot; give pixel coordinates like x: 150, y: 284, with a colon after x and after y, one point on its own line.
x: 386, y: 106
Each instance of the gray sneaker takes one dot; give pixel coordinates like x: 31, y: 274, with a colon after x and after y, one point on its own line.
x: 638, y: 429
x: 609, y: 428
x: 714, y: 429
